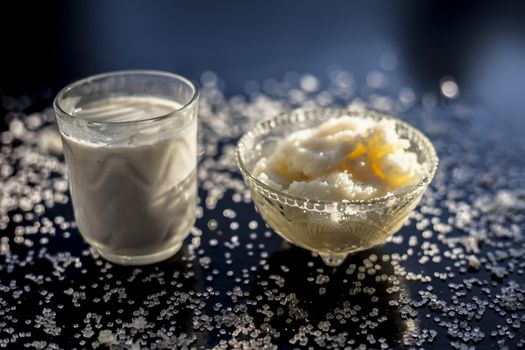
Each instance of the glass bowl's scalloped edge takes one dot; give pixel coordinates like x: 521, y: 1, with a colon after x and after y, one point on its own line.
x: 326, y: 205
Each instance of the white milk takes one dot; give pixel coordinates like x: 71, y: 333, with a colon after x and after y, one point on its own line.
x: 135, y: 198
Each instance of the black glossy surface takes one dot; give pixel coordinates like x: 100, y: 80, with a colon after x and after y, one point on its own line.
x: 478, y: 137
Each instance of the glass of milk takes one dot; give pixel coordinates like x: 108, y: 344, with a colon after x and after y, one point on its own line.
x: 130, y: 144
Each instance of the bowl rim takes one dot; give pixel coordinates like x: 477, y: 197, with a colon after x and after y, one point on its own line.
x: 362, y: 112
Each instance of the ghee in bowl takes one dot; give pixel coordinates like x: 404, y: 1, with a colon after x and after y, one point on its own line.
x: 336, y: 181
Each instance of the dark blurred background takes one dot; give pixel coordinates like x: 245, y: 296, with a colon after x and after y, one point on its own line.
x: 479, y: 44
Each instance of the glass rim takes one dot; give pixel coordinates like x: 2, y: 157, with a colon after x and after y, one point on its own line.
x: 59, y: 97
x: 424, y: 181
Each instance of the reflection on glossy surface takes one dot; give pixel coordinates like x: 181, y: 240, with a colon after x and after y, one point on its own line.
x: 310, y: 304
x: 113, y: 305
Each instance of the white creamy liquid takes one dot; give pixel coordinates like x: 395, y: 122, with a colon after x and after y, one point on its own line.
x: 133, y: 199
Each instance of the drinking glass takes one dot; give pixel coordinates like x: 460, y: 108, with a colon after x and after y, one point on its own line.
x: 130, y: 145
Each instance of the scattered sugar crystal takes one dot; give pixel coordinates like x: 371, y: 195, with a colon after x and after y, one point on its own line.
x: 474, y: 262
x: 424, y: 278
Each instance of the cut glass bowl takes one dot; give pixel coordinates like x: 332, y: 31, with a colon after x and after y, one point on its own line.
x: 333, y: 229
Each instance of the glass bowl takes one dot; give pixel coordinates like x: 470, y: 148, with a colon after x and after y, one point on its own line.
x: 333, y: 229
